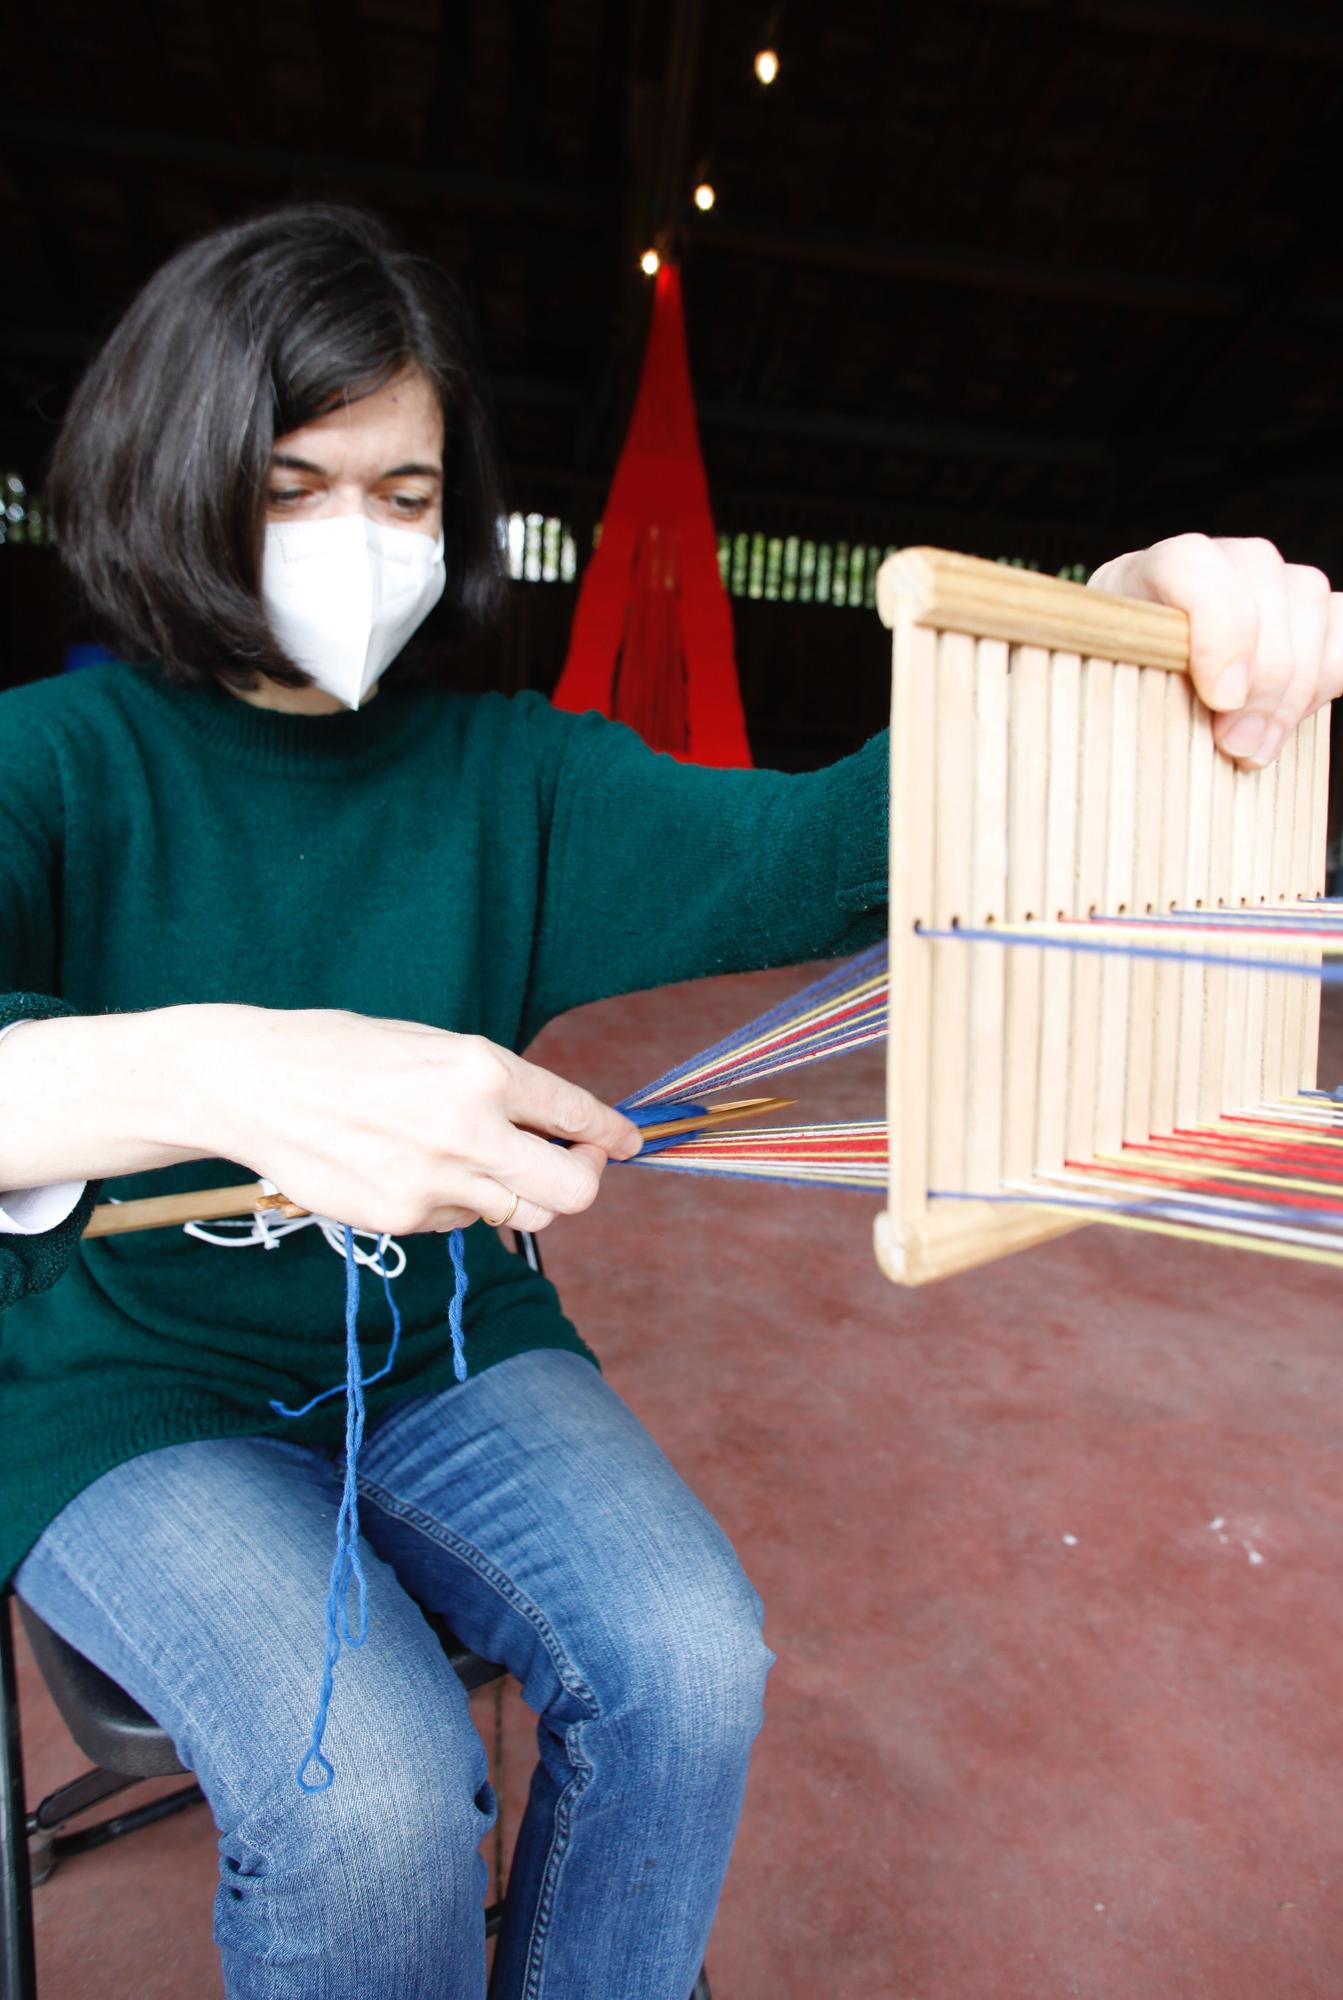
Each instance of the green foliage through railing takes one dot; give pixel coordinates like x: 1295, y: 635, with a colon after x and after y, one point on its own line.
x: 541, y: 548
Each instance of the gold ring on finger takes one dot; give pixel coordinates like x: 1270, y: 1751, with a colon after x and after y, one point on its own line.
x: 507, y: 1215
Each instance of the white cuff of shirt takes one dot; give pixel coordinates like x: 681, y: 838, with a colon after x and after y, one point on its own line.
x: 31, y: 1211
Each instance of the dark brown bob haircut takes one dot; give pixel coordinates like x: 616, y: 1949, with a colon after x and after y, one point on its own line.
x: 157, y: 486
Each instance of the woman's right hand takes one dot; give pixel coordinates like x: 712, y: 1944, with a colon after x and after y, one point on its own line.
x: 390, y: 1125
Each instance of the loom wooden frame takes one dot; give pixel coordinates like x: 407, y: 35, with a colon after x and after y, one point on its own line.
x: 1048, y: 755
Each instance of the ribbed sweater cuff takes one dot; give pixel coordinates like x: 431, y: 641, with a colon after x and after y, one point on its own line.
x: 864, y: 821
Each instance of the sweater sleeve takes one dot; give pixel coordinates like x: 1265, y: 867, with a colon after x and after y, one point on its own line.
x: 30, y: 849
x: 658, y: 871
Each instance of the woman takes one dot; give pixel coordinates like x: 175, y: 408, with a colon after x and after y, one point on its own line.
x: 257, y: 908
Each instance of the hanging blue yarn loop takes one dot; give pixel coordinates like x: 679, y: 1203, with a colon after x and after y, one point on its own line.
x: 346, y: 1568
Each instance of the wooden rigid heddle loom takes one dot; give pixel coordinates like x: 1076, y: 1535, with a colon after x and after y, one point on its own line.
x: 1106, y: 949
x: 1070, y: 859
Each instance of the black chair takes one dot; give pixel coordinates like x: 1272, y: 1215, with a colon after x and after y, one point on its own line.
x: 126, y: 1746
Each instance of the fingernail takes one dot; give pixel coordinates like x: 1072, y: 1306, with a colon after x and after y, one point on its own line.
x: 1232, y: 686
x: 1244, y: 736
x: 631, y: 1146
x: 1271, y: 744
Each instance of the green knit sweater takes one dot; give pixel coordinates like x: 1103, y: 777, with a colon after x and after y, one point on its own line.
x: 476, y: 863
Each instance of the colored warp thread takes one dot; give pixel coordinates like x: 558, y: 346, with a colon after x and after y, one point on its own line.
x: 1330, y: 975
x: 845, y: 1009
x: 657, y: 1114
x: 346, y: 1567
x: 1243, y: 1181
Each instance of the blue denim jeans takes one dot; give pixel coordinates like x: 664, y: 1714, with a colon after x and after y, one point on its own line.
x: 533, y: 1510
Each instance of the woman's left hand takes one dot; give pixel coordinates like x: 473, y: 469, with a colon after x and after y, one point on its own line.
x: 1265, y: 636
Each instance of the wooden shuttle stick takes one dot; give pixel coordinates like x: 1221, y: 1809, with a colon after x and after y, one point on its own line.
x: 170, y: 1211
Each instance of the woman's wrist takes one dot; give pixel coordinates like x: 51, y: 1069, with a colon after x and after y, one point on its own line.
x: 87, y: 1097
x: 203, y: 1102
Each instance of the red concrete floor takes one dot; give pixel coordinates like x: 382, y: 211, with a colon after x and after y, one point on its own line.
x: 1051, y: 1554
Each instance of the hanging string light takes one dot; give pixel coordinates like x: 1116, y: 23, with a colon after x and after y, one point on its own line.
x: 767, y: 65
x: 650, y: 263
x: 705, y: 196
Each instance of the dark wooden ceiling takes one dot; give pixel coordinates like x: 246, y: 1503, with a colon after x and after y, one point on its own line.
x: 1027, y: 276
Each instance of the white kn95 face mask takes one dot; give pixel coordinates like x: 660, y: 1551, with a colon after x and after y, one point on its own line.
x: 343, y: 595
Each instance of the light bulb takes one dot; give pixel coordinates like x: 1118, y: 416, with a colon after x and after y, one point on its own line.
x: 767, y: 65
x: 705, y: 197
x: 649, y: 263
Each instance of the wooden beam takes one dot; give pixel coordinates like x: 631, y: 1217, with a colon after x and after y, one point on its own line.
x: 953, y: 264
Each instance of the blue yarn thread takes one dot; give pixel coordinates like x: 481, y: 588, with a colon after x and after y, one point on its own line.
x: 346, y: 1567
x: 341, y: 1388
x: 457, y: 1252
x: 1329, y: 975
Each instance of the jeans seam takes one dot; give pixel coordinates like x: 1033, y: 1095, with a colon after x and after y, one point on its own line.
x: 436, y: 1531
x: 533, y: 1963
x: 572, y: 1682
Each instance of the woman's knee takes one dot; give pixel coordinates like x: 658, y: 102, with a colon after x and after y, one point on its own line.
x: 376, y: 1865
x: 694, y: 1662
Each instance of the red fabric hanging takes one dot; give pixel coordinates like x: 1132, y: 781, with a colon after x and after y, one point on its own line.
x: 651, y: 642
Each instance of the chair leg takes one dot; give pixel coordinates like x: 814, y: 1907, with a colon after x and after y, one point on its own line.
x: 89, y: 1789
x: 18, y: 1966
x: 46, y: 1849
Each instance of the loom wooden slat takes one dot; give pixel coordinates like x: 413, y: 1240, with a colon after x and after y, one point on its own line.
x: 987, y: 899
x: 1065, y: 710
x: 1235, y: 1088
x: 1194, y: 896
x: 1027, y: 807
x: 1310, y: 807
x: 1217, y: 986
x: 1076, y: 774
x: 1310, y: 1017
x: 1170, y: 979
x: 1302, y: 1059
x: 1116, y: 974
x: 1149, y: 832
x: 1276, y: 1083
x: 949, y: 1060
x: 1294, y: 994
x: 913, y: 725
x: 1088, y: 894
x: 1318, y: 857
x: 1261, y: 888
x: 1303, y: 871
